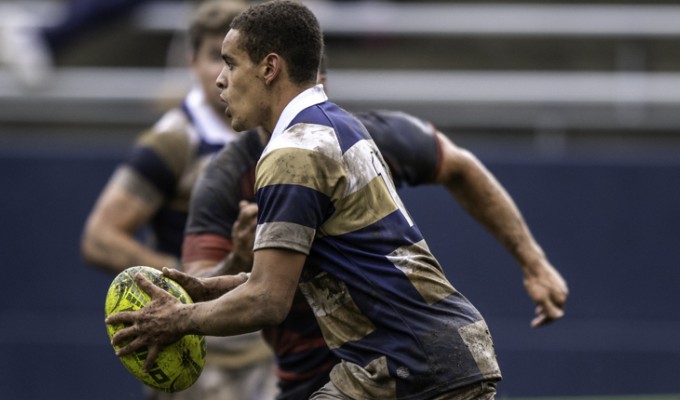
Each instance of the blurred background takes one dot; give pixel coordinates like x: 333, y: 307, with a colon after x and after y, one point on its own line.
x: 573, y: 105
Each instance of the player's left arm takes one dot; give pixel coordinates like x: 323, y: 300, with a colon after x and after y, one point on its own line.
x: 485, y: 199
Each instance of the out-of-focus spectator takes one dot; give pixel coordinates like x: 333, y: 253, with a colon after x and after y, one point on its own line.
x: 28, y: 42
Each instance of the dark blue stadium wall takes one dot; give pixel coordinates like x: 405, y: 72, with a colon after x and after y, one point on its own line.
x: 610, y: 227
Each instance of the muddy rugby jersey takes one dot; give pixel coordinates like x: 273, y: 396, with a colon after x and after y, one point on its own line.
x: 410, y: 147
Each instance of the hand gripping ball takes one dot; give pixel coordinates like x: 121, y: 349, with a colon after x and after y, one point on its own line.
x: 179, y: 365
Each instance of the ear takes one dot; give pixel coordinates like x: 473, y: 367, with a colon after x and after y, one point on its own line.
x: 273, y: 66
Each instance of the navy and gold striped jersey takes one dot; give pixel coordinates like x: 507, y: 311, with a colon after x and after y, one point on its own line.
x: 380, y: 297
x: 412, y: 151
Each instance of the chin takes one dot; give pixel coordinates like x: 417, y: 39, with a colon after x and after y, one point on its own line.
x: 238, y: 126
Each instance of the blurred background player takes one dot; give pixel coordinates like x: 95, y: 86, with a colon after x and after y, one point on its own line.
x: 152, y: 189
x: 221, y: 226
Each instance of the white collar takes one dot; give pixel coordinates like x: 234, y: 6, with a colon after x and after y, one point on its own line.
x: 209, y: 125
x: 309, y: 97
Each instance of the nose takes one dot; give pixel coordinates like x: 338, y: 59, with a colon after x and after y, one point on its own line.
x: 221, y: 80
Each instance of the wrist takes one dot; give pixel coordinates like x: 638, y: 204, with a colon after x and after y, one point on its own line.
x: 531, y: 257
x: 188, y: 324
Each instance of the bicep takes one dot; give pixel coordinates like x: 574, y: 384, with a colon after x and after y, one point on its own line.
x: 126, y: 203
x: 455, y: 162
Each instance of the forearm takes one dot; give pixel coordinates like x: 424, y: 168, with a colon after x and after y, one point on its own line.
x: 230, y: 265
x: 483, y: 197
x: 116, y: 251
x: 244, y: 309
x: 263, y: 300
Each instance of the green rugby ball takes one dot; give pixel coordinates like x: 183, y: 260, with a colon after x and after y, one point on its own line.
x: 179, y: 365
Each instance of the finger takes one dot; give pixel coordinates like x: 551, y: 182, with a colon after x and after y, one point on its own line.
x: 246, y: 204
x: 247, y: 209
x: 546, y: 313
x: 134, y: 345
x: 552, y: 310
x: 172, y: 273
x: 151, y: 357
x: 539, y: 320
x: 124, y: 335
x: 123, y: 317
x: 560, y: 298
x: 178, y: 276
x: 148, y: 287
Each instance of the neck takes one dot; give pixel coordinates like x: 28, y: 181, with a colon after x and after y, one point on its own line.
x: 264, y: 135
x: 284, y: 95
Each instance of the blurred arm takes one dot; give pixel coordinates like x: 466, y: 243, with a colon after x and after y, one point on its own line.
x: 108, y: 240
x: 483, y: 197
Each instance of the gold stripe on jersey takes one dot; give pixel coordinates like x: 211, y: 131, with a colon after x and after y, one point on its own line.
x: 284, y: 234
x: 372, y: 381
x: 302, y: 143
x: 174, y: 147
x: 368, y: 205
x: 423, y: 270
x: 339, y: 317
x: 294, y: 169
x: 478, y: 340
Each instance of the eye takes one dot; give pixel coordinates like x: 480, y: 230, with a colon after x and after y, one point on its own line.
x: 227, y: 62
x: 215, y: 56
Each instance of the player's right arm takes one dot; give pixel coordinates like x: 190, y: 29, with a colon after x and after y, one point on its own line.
x: 263, y: 300
x: 108, y: 241
x: 418, y: 153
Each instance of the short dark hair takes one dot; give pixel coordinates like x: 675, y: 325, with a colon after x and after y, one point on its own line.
x: 284, y: 27
x: 212, y: 17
